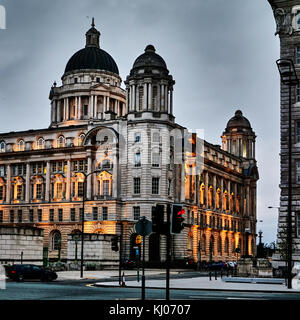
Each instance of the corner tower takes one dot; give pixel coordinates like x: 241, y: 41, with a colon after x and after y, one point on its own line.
x: 149, y: 88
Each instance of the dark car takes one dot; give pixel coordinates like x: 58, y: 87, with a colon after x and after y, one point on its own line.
x: 20, y: 272
x: 129, y: 264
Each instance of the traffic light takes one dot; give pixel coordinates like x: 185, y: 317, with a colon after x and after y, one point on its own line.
x: 158, y: 218
x: 177, y: 218
x: 114, y: 243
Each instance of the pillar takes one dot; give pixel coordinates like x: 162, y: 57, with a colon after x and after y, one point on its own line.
x: 166, y: 99
x: 89, y: 178
x: 171, y: 101
x: 68, y: 189
x: 150, y: 96
x: 8, y: 184
x: 27, y: 193
x: 47, y: 193
x: 145, y: 97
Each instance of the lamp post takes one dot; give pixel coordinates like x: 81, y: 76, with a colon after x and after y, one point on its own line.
x: 82, y: 217
x: 288, y: 77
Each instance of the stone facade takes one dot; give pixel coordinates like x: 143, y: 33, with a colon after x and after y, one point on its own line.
x: 21, y: 244
x: 286, y: 14
x: 141, y: 156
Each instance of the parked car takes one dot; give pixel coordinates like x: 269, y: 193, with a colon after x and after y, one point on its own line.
x: 230, y: 264
x: 129, y: 264
x: 21, y: 272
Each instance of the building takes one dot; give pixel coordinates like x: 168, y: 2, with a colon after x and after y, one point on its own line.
x: 287, y: 17
x: 130, y: 138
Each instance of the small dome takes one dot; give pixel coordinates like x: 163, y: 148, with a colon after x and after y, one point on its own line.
x: 149, y: 59
x: 92, y: 58
x: 238, y: 121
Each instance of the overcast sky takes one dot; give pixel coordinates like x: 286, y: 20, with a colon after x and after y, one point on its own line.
x: 221, y: 54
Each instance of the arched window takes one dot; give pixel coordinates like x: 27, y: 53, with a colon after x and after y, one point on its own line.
x: 78, y: 185
x: 220, y: 245
x: 40, y: 144
x: 18, y: 189
x: 21, y: 145
x: 105, y: 180
x: 61, y: 142
x: 37, y: 187
x: 218, y: 198
x: 56, y: 240
x: 226, y: 248
x: 202, y: 194
x: 2, y: 146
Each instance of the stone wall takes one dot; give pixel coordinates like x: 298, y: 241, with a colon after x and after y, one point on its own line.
x: 17, y: 240
x: 97, y: 249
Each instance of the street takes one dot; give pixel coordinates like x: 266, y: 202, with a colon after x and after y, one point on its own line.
x: 84, y: 290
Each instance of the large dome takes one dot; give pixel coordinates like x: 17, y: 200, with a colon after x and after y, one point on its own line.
x: 149, y: 59
x: 92, y: 58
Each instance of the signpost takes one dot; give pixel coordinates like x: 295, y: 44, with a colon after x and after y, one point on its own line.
x: 143, y: 228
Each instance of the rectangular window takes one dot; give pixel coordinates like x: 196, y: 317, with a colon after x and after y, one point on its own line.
x: 59, y: 190
x: 80, y: 189
x: 2, y: 171
x: 136, y: 185
x: 85, y: 110
x: 72, y: 218
x: 169, y: 186
x: 80, y: 214
x: 298, y: 133
x: 136, y: 213
x: 137, y: 160
x: 19, y: 216
x: 104, y: 213
x: 298, y: 172
x: 105, y: 187
x: 60, y: 215
x: 40, y: 215
x: 137, y: 137
x: 38, y: 191
x: 95, y: 213
x: 1, y: 216
x: 1, y: 192
x: 155, y: 185
x: 12, y: 216
x: 30, y: 215
x: 19, y: 192
x: 155, y: 159
x: 51, y: 215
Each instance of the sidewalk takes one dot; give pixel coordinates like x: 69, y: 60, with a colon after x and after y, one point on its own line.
x: 193, y: 283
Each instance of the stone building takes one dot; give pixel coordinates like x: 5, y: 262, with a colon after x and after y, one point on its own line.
x: 287, y: 18
x: 130, y: 138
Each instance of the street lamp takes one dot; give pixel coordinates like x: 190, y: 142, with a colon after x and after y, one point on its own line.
x: 82, y: 217
x: 289, y: 77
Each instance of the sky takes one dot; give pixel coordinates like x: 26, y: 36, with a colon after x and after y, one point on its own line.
x: 221, y: 53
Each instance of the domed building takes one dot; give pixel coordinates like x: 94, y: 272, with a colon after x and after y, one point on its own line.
x: 116, y: 154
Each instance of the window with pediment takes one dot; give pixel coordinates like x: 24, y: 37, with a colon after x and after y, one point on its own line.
x: 58, y: 187
x: 21, y: 145
x: 105, y: 180
x: 2, y: 146
x: 78, y: 185
x: 18, y: 188
x: 40, y: 144
x: 61, y: 142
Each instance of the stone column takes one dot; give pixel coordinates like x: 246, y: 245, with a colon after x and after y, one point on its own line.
x: 8, y: 184
x: 215, y: 190
x: 171, y: 101
x: 95, y: 106
x: 158, y: 98
x: 115, y: 177
x: 166, y: 99
x: 133, y: 98
x: 162, y: 97
x: 27, y: 191
x: 206, y: 189
x: 150, y: 96
x: 222, y: 191
x: 138, y: 99
x: 80, y: 111
x: 67, y: 109
x: 58, y: 115
x: 76, y: 108
x: 64, y: 110
x: 47, y: 193
x: 91, y: 106
x: 68, y: 189
x: 145, y: 107
x: 108, y: 103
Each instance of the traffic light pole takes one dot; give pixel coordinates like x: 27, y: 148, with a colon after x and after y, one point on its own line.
x: 168, y: 252
x: 120, y: 252
x: 143, y: 270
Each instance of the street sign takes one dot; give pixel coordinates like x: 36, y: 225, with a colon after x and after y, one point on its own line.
x: 138, y: 239
x: 143, y: 227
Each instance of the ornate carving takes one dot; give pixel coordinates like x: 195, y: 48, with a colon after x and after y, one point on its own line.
x: 283, y: 21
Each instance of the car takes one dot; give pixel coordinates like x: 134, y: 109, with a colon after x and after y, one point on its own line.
x: 21, y: 272
x: 230, y: 264
x: 129, y: 264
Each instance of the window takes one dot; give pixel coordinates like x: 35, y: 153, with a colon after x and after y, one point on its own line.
x: 79, y: 166
x: 136, y: 213
x: 97, y: 79
x: 41, y: 144
x: 85, y: 110
x: 136, y: 185
x: 61, y: 142
x: 60, y: 215
x: 95, y: 213
x: 59, y: 167
x: 21, y: 145
x: 75, y: 80
x: 56, y: 240
x: 2, y: 146
x: 19, y: 169
x: 59, y: 190
x: 298, y: 172
x: 51, y: 215
x: 1, y: 216
x: 38, y: 191
x: 137, y: 137
x: 80, y: 189
x: 106, y: 187
x: 30, y: 215
x: 2, y: 170
x: 11, y: 216
x: 19, y: 191
x: 156, y: 137
x: 155, y: 185
x: 155, y: 159
x: 1, y: 192
x: 298, y: 21
x: 141, y: 98
x: 137, y: 160
x: 72, y: 218
x: 40, y: 215
x: 80, y: 214
x: 154, y: 98
x: 298, y: 132
x: 104, y: 213
x: 298, y: 93
x: 106, y: 164
x: 19, y: 216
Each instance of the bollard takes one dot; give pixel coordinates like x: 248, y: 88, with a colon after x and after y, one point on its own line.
x: 123, y: 280
x: 221, y: 273
x: 215, y: 274
x: 209, y: 275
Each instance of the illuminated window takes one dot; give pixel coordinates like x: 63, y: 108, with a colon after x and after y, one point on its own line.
x: 59, y: 190
x: 80, y: 189
x: 41, y: 144
x: 38, y: 191
x: 61, y: 142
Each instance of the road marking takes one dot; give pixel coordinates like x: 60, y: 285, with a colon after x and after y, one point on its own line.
x: 236, y: 298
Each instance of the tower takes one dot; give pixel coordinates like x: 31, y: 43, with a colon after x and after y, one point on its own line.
x: 287, y: 18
